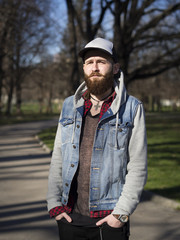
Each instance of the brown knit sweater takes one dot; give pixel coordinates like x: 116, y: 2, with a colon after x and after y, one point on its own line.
x: 83, y: 176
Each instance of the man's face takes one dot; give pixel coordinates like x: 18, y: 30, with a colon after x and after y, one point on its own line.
x: 98, y: 71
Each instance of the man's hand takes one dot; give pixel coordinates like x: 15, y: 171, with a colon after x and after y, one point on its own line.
x: 63, y: 215
x: 111, y: 221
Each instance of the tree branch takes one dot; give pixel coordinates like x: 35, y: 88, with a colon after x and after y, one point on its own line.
x: 99, y: 21
x: 153, y: 23
x: 158, y: 65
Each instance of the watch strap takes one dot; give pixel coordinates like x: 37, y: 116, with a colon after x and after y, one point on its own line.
x: 121, y: 217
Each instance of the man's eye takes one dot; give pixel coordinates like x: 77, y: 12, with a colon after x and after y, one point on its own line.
x: 87, y: 63
x: 102, y: 61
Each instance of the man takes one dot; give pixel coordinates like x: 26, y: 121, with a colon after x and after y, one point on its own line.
x: 99, y: 163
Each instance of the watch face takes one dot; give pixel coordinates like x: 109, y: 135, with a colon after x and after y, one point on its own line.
x: 123, y: 218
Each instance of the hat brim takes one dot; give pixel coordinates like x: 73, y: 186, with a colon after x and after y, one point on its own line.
x: 85, y: 50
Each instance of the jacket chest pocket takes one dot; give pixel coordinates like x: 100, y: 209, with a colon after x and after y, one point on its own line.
x: 67, y: 125
x: 119, y: 134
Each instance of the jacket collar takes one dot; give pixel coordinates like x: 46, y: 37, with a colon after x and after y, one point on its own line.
x: 118, y: 101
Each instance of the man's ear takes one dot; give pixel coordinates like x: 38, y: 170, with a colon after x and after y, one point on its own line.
x: 116, y: 68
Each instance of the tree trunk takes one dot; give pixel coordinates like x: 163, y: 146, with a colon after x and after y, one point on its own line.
x: 40, y: 100
x: 75, y: 76
x: 49, y: 104
x: 10, y: 96
x: 18, y: 98
x: 120, y: 39
x: 1, y: 81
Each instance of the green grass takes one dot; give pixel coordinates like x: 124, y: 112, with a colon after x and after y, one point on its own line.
x: 163, y: 132
x: 30, y: 112
x: 48, y: 136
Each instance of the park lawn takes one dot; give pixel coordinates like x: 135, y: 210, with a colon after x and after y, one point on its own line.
x: 163, y: 133
x: 30, y: 112
x: 47, y: 136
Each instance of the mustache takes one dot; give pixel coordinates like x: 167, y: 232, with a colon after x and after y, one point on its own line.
x: 96, y: 74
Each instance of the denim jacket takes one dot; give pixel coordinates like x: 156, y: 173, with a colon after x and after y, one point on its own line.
x: 119, y: 156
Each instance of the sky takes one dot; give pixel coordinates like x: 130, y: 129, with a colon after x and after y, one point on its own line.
x: 59, y: 15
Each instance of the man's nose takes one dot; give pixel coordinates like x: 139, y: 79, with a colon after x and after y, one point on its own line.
x: 95, y: 67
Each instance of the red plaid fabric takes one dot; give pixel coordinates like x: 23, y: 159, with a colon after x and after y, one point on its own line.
x: 58, y: 210
x: 106, y: 104
x: 96, y: 214
x: 100, y: 214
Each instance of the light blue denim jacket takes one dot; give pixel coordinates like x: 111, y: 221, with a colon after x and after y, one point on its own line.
x: 119, y: 156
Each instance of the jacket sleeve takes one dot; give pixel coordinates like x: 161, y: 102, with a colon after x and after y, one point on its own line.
x: 55, y: 174
x: 137, y: 166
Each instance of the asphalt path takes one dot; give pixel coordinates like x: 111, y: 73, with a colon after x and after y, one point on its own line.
x: 24, y: 166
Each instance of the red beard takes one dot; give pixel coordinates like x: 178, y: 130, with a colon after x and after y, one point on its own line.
x: 101, y: 84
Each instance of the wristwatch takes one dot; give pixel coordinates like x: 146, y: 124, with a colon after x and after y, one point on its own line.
x: 121, y: 217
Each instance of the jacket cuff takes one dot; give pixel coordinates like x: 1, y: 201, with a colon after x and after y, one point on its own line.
x: 120, y: 211
x: 56, y: 211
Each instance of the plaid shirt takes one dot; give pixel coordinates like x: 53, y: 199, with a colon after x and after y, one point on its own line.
x: 68, y: 209
x: 106, y: 104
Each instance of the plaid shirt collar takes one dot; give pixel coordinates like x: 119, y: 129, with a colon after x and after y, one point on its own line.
x: 106, y: 104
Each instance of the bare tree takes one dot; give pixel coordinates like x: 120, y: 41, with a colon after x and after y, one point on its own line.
x: 75, y: 77
x: 145, y: 33
x: 146, y: 36
x: 82, y: 27
x: 90, y: 19
x: 29, y: 30
x: 5, y: 32
x: 7, y: 50
x: 43, y: 83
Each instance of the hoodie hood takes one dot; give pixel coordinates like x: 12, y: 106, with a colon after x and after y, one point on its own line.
x: 119, y: 88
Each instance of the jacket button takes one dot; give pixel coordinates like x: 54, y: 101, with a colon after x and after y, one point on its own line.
x: 66, y: 184
x: 72, y: 165
x: 74, y: 146
x: 120, y: 129
x: 78, y: 126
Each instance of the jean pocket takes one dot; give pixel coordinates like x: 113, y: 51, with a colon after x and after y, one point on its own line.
x: 107, y: 226
x: 107, y: 232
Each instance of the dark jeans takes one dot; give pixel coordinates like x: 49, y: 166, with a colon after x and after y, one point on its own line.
x: 69, y: 232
